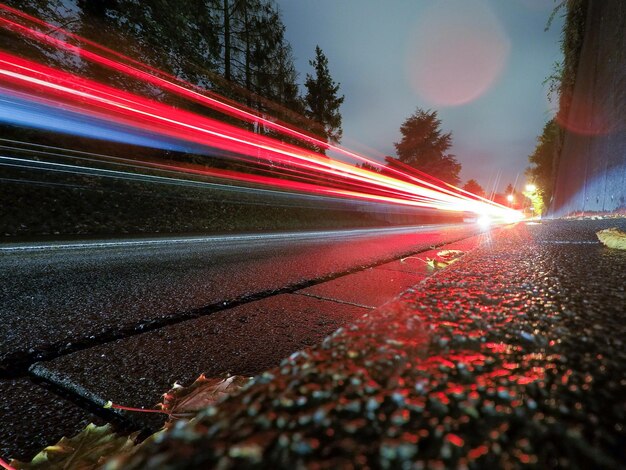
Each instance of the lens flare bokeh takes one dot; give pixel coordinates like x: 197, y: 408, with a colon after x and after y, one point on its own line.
x: 457, y: 52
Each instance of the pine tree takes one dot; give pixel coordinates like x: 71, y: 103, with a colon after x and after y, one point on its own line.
x: 256, y: 59
x: 473, y: 187
x: 322, y: 100
x: 424, y: 146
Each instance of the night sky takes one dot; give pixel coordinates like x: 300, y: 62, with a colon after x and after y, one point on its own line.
x: 481, y: 64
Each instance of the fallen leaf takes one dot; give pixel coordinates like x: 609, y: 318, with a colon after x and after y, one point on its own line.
x: 613, y: 238
x: 448, y: 255
x: 436, y: 264
x: 403, y: 260
x: 185, y: 402
x: 88, y: 450
x: 443, y: 258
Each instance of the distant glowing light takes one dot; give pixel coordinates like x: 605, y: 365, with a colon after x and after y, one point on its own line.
x: 458, y: 51
x: 510, y: 198
x: 484, y: 221
x: 531, y: 188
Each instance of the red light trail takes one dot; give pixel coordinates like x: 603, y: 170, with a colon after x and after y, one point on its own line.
x: 177, y: 86
x: 317, y: 174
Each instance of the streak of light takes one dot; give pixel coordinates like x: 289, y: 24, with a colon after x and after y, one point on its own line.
x: 188, y: 169
x: 181, y: 88
x: 316, y: 235
x: 45, y: 115
x: 171, y: 83
x: 155, y: 76
x: 131, y: 164
x: 137, y: 112
x: 122, y: 110
x: 100, y: 172
x: 130, y: 106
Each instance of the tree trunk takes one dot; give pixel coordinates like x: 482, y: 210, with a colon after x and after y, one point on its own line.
x: 226, y: 41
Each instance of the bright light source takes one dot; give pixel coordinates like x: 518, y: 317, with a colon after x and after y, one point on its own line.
x: 510, y: 198
x: 531, y: 188
x: 484, y: 221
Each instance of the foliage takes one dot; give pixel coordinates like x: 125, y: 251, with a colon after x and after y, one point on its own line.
x: 441, y: 260
x: 473, y: 187
x: 322, y: 99
x: 571, y: 46
x: 562, y: 79
x: 186, y: 402
x: 613, y: 238
x: 94, y: 445
x: 51, y: 11
x: 369, y: 167
x: 255, y: 54
x: 536, y: 200
x: 425, y: 147
x: 178, y: 37
x: 86, y: 451
x: 560, y: 83
x: 542, y: 160
x: 444, y: 258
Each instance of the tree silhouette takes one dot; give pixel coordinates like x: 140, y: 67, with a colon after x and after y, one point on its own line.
x: 322, y: 100
x: 369, y: 167
x: 542, y: 160
x: 424, y: 146
x: 473, y: 187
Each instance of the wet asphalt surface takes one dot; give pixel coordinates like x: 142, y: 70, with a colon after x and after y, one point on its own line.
x: 30, y: 410
x: 246, y: 340
x: 57, y: 300
x: 512, y: 357
x: 67, y: 305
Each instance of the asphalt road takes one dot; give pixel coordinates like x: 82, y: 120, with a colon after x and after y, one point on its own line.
x: 61, y: 297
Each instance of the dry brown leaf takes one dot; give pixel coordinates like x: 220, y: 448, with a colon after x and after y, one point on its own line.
x: 449, y: 255
x: 613, y: 238
x: 443, y: 258
x: 185, y: 402
x: 436, y: 264
x: 87, y: 450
